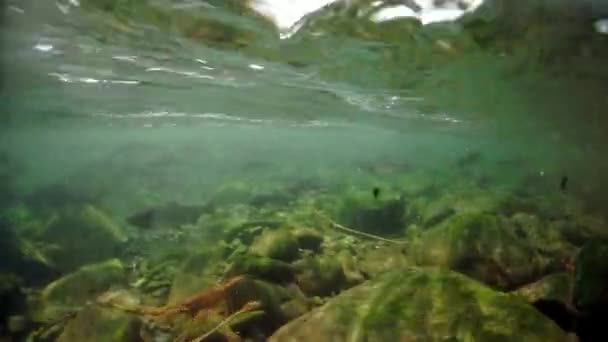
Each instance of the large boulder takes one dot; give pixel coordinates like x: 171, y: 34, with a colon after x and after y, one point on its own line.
x: 193, y: 275
x: 81, y: 236
x: 20, y: 256
x: 484, y: 247
x: 591, y: 277
x: 276, y: 244
x: 383, y: 216
x: 101, y: 324
x: 591, y: 290
x: 320, y: 276
x: 76, y: 289
x: 427, y: 304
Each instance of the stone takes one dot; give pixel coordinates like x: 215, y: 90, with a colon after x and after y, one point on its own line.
x: 552, y: 295
x: 320, y: 275
x: 580, y: 229
x: 376, y: 259
x: 12, y: 298
x: 309, y: 239
x: 538, y: 233
x: 428, y: 304
x: 83, y: 285
x: 20, y: 256
x: 350, y: 268
x: 262, y: 268
x: 85, y: 232
x: 557, y: 287
x: 193, y: 275
x: 383, y: 216
x: 276, y: 244
x: 591, y: 276
x: 270, y: 297
x: 94, y: 323
x: 484, y: 247
x: 591, y: 290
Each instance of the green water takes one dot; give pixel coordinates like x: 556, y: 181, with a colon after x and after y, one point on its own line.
x: 131, y: 105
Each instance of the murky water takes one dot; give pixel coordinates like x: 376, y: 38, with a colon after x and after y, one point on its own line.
x: 130, y: 105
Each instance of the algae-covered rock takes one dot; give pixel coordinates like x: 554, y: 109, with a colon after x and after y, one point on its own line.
x: 81, y: 236
x: 374, y: 260
x: 170, y: 215
x: 101, y: 324
x: 350, y: 268
x: 384, y: 216
x: 483, y: 247
x: 77, y: 288
x: 591, y: 276
x: 232, y: 193
x: 21, y: 257
x: 12, y: 299
x: 320, y: 276
x: 591, y: 290
x: 195, y: 274
x: 308, y: 239
x: 426, y: 304
x: 261, y: 268
x: 581, y: 228
x: 276, y: 244
x: 268, y: 295
x: 540, y: 234
x: 555, y: 287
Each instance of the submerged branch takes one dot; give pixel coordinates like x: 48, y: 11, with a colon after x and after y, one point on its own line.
x: 356, y: 232
x: 246, y: 308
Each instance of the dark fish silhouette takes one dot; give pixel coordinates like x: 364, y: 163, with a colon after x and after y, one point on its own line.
x: 564, y: 183
x: 376, y: 192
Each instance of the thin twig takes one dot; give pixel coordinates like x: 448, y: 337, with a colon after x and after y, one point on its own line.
x: 246, y: 308
x: 352, y: 231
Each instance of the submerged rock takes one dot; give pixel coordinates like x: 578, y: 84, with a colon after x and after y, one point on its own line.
x: 270, y: 297
x: 309, y: 239
x: 422, y: 304
x: 76, y: 289
x: 261, y: 268
x: 591, y: 290
x: 557, y: 287
x: 552, y: 295
x: 320, y: 276
x: 82, y: 236
x: 170, y: 215
x: 195, y: 273
x: 591, y: 277
x: 384, y: 216
x: 12, y: 300
x: 94, y: 323
x: 276, y: 244
x: 482, y: 247
x: 377, y: 259
x: 21, y: 257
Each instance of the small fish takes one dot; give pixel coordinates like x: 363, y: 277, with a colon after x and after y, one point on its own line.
x: 376, y: 192
x: 564, y: 183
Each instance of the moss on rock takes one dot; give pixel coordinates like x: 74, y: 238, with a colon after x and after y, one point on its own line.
x: 81, y: 236
x: 101, y: 324
x: 483, y: 247
x: 276, y: 244
x: 591, y: 277
x: 75, y: 289
x: 320, y: 276
x: 261, y: 268
x: 422, y: 303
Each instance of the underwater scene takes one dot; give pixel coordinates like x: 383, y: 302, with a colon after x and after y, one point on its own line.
x: 304, y: 170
